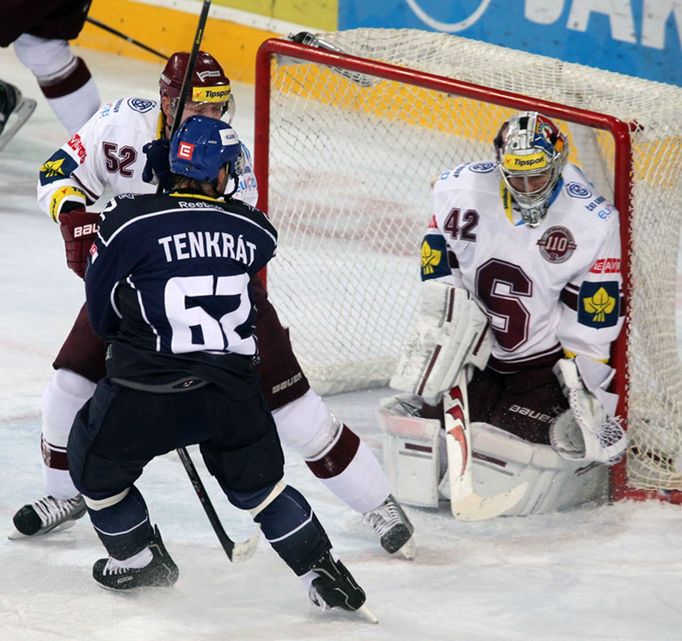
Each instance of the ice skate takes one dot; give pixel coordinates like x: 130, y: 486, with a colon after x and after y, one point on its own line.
x: 15, y: 110
x: 335, y: 587
x: 160, y: 572
x: 393, y: 527
x: 47, y: 515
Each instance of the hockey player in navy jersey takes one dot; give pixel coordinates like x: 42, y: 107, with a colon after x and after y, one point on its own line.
x: 107, y: 154
x: 521, y: 301
x: 168, y: 288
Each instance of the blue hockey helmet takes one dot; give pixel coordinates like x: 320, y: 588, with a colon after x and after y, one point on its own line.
x: 202, y: 146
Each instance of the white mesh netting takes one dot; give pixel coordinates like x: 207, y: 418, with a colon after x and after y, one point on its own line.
x: 349, y: 190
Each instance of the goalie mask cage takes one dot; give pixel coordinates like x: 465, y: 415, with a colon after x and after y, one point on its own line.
x: 346, y: 145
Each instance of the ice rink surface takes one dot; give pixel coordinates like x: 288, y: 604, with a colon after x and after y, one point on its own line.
x: 613, y: 572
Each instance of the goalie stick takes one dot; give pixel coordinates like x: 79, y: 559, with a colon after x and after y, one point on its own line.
x: 465, y: 504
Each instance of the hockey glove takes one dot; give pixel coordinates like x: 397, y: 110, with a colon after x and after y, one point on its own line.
x: 587, y: 431
x: 78, y: 228
x: 157, y: 168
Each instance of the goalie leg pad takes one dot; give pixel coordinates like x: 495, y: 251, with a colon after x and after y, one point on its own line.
x: 502, y: 461
x: 411, y: 452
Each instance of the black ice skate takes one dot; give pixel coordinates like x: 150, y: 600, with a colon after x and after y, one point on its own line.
x: 14, y: 111
x: 393, y: 527
x: 159, y: 573
x: 335, y: 587
x: 47, y: 515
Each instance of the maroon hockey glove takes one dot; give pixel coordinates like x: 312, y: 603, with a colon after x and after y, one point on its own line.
x: 79, y: 229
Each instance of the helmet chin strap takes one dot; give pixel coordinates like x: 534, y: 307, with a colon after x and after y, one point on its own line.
x: 533, y: 216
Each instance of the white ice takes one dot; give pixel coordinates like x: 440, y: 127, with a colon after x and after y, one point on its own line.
x: 596, y: 574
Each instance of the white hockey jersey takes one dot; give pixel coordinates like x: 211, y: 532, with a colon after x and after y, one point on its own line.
x: 556, y: 286
x: 105, y: 157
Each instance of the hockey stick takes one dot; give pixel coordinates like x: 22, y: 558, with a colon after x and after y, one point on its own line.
x: 310, y: 39
x: 184, y: 90
x: 120, y: 34
x: 235, y: 551
x: 466, y: 505
x: 240, y: 551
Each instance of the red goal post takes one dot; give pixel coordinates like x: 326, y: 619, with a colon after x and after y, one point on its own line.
x: 317, y: 112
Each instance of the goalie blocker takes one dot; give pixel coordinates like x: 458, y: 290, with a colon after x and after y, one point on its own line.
x: 518, y: 476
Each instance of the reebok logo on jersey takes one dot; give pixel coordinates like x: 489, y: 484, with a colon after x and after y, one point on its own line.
x: 185, y: 150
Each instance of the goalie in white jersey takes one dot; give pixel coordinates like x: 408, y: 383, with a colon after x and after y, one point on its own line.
x: 521, y: 302
x: 107, y: 155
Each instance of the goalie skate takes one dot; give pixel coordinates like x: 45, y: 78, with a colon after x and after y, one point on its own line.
x: 47, y: 515
x: 15, y: 110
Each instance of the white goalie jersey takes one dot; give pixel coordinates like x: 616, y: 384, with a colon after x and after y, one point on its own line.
x: 552, y: 287
x: 106, y: 155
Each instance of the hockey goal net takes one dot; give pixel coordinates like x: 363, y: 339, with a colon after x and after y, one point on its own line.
x: 347, y: 145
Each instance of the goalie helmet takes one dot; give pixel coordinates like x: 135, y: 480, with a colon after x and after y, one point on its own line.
x: 531, y: 153
x: 202, y: 146
x: 209, y: 82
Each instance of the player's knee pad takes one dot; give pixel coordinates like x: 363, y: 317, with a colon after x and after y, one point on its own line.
x: 501, y: 461
x: 307, y: 426
x: 103, y: 503
x: 64, y: 395
x: 49, y: 60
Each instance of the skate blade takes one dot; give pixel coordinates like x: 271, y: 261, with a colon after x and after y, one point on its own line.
x: 365, y: 613
x: 409, y: 550
x: 17, y: 119
x: 15, y: 535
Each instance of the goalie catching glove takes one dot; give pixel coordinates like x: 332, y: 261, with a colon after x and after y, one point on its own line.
x: 78, y: 228
x: 450, y: 332
x: 588, y: 431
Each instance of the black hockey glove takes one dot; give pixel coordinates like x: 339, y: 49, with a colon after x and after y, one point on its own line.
x: 157, y: 168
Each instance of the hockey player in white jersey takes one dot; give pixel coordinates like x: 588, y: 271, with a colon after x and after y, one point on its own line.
x: 521, y: 302
x: 40, y: 33
x: 106, y: 155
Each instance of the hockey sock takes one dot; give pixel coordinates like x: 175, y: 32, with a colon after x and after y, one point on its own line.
x: 292, y: 529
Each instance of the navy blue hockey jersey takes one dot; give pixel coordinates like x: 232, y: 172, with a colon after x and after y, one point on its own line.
x: 170, y: 273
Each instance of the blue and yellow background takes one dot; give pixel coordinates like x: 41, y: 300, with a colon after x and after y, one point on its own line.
x: 636, y: 37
